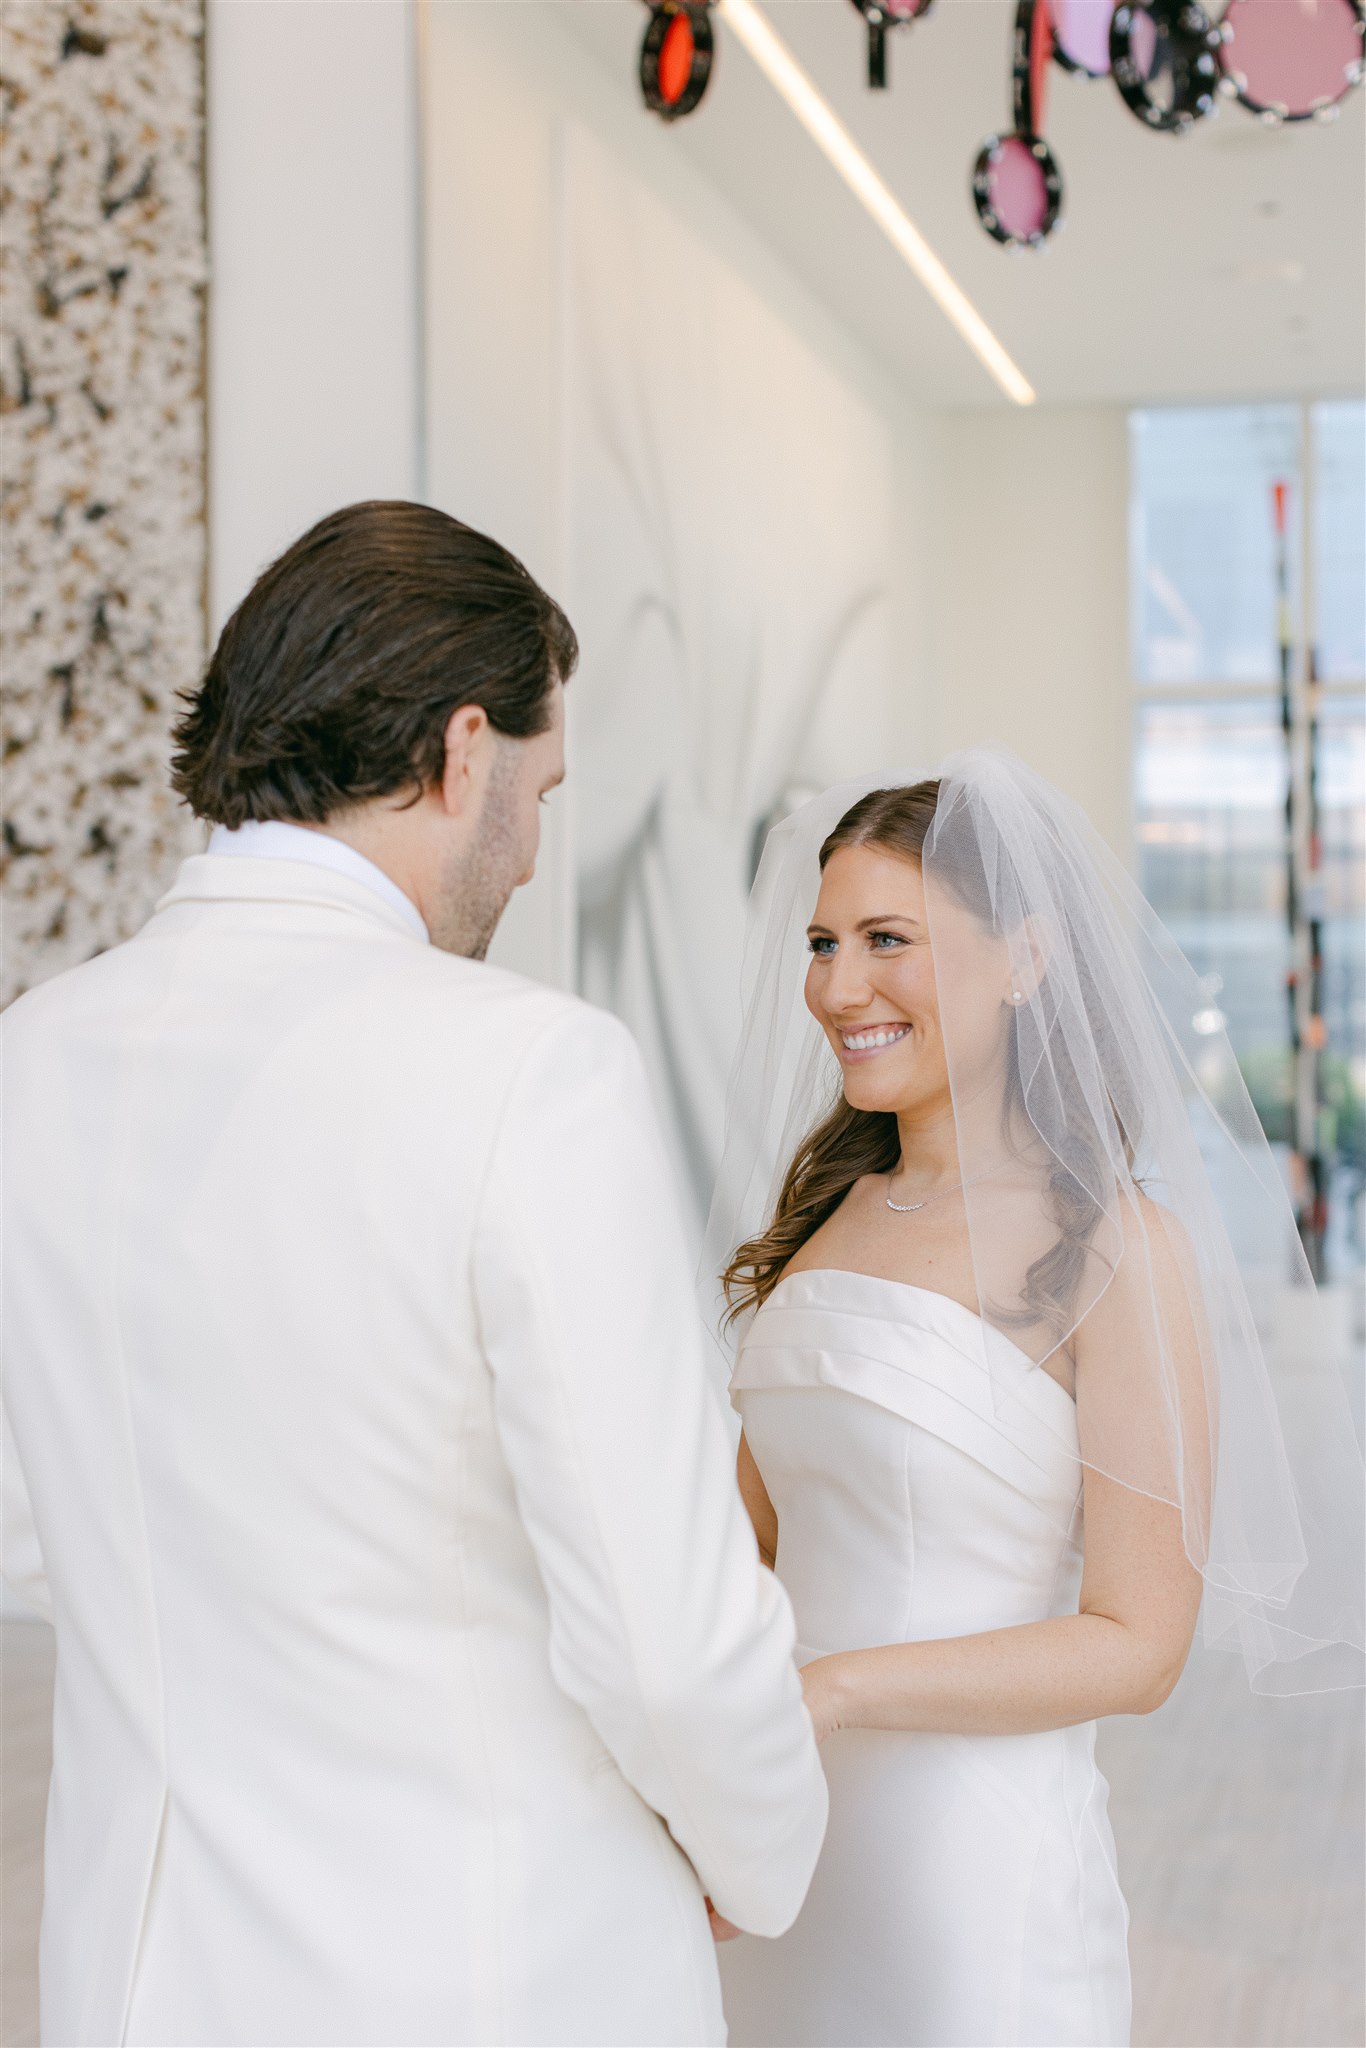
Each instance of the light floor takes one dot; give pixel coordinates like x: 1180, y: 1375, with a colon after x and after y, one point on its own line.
x: 1240, y: 1838
x: 25, y: 1758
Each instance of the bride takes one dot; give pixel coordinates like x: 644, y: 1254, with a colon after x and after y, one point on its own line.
x: 1006, y: 1421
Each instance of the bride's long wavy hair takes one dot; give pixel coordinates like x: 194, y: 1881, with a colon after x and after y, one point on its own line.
x: 849, y: 1142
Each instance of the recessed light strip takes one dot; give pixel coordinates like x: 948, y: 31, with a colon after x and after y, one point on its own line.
x: 829, y: 134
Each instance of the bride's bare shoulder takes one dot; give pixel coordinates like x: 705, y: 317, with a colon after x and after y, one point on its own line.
x: 842, y: 1237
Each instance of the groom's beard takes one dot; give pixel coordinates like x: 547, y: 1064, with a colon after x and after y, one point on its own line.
x: 475, y: 889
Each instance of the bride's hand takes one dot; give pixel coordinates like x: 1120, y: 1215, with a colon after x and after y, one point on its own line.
x: 721, y: 1930
x: 820, y: 1685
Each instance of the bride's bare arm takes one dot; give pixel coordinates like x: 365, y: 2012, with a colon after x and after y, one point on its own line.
x: 754, y: 1494
x: 1140, y: 1595
x: 1122, y: 1653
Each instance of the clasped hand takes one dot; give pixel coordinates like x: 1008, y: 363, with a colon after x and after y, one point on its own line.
x: 821, y: 1704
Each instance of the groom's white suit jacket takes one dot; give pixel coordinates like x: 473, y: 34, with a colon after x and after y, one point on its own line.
x: 415, y: 1671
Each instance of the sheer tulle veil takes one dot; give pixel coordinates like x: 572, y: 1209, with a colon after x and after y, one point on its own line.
x: 1131, y: 1183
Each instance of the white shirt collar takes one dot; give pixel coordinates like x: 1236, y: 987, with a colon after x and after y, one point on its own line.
x: 274, y: 839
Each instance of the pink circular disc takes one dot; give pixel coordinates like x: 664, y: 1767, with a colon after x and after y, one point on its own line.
x: 1143, y: 43
x: 1293, y: 55
x: 1082, y: 31
x: 1017, y: 191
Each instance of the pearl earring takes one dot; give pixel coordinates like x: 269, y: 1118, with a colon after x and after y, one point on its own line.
x: 1017, y: 995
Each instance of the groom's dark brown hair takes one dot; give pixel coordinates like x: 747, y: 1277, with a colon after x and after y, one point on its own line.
x: 333, y: 681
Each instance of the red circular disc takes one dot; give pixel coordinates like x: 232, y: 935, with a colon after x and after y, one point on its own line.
x: 676, y: 59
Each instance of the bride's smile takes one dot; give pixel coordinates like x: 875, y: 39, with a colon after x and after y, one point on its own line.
x: 873, y: 1038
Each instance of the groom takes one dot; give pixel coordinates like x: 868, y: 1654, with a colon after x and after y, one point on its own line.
x: 416, y: 1674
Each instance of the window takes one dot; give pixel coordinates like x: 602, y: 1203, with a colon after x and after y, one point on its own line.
x: 1339, y: 529
x: 1211, y: 836
x: 1248, y: 525
x: 1204, y: 542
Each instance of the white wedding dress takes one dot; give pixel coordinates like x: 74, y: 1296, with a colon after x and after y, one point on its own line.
x: 967, y: 1891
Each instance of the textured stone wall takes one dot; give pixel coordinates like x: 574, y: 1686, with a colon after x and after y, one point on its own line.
x: 102, y: 271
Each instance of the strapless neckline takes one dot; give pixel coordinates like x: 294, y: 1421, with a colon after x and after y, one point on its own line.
x: 924, y: 1357
x: 941, y: 1313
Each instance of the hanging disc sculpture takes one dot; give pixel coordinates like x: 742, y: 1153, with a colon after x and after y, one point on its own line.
x: 880, y: 16
x: 1163, y: 54
x: 1081, y: 36
x: 1283, y: 60
x: 676, y: 57
x: 1016, y: 184
x: 1292, y: 60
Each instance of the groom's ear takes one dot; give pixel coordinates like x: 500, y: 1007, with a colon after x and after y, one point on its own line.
x: 469, y: 755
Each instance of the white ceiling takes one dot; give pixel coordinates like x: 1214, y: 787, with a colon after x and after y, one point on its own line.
x: 1230, y: 262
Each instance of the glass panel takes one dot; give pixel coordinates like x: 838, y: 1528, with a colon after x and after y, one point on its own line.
x: 1210, y: 778
x: 1204, y: 567
x: 1210, y: 802
x: 1339, y: 431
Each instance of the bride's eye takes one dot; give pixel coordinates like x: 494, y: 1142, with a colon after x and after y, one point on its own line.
x: 822, y: 948
x: 875, y: 940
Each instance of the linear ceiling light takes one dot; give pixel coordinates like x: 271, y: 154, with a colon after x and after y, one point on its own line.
x: 828, y: 132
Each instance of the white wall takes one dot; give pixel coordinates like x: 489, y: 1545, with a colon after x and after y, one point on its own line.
x: 500, y: 84
x: 491, y: 289
x: 321, y: 261
x: 313, y: 245
x: 1029, y: 636
x: 1011, y: 583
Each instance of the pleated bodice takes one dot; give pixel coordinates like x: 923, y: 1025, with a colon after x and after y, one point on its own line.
x: 924, y: 1471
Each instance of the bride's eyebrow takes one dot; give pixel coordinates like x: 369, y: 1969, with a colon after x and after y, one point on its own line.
x: 865, y: 924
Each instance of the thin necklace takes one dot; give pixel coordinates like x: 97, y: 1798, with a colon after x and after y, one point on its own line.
x: 908, y: 1208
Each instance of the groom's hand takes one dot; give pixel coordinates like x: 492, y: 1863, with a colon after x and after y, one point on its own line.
x: 721, y: 1930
